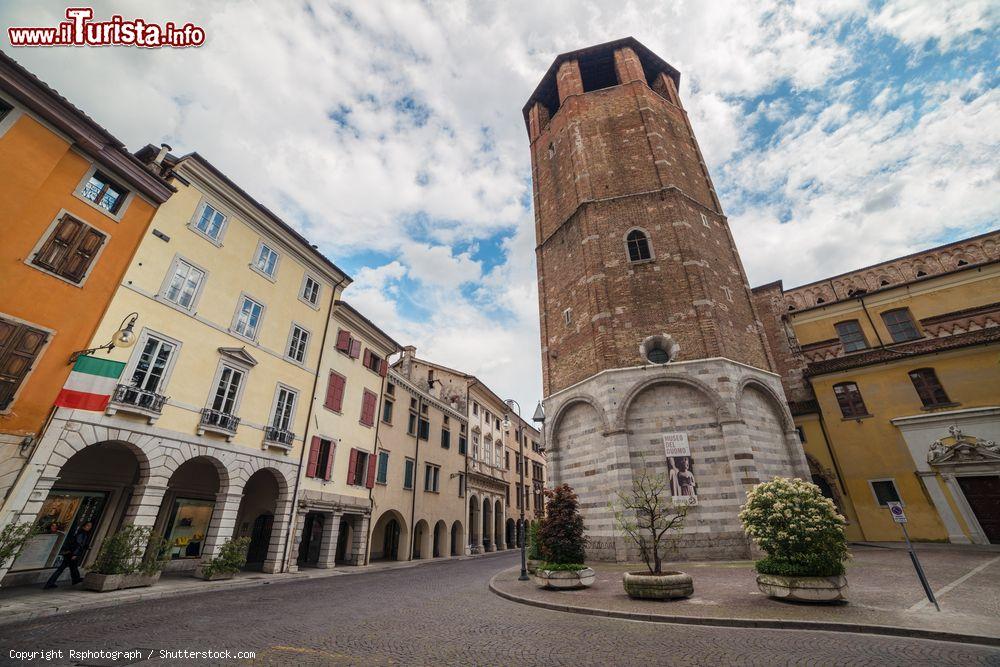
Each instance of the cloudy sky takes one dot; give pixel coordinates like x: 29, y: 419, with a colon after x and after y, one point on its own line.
x: 838, y: 132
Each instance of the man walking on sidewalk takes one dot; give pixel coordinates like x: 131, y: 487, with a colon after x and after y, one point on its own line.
x: 72, y: 553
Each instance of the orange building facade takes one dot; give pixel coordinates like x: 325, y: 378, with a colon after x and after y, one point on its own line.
x: 75, y: 205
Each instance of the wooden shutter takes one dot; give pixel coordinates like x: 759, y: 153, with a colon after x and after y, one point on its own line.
x: 370, y: 478
x: 335, y: 392
x: 53, y: 253
x: 368, y: 408
x: 368, y: 358
x: 329, y: 461
x: 314, y: 448
x: 19, y: 347
x: 351, y: 466
x: 383, y: 367
x: 344, y: 341
x: 355, y: 349
x: 82, y: 255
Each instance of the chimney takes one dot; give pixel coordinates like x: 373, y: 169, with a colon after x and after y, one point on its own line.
x: 164, y: 149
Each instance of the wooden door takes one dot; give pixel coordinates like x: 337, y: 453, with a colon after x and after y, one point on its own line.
x: 983, y: 495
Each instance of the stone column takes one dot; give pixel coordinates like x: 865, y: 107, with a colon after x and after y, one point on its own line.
x: 296, y: 541
x: 328, y: 543
x: 223, y: 522
x: 359, y: 540
x: 144, y: 506
x: 627, y: 65
x: 279, y: 532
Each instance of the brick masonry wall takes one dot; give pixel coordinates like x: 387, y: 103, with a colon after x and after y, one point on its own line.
x: 610, y: 161
x: 739, y: 431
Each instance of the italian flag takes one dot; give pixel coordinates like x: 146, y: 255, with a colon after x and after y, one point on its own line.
x: 90, y: 384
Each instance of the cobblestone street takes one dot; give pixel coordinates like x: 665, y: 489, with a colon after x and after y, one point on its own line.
x: 443, y: 613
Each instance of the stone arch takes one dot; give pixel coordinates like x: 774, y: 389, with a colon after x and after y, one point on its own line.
x: 692, y: 383
x: 779, y: 403
x: 565, y: 407
x: 826, y: 480
x: 646, y: 236
x: 457, y: 538
x: 388, y: 541
x: 421, y: 540
x: 66, y: 449
x: 441, y: 545
x: 765, y: 422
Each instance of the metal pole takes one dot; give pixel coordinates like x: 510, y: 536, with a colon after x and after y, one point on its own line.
x: 920, y: 570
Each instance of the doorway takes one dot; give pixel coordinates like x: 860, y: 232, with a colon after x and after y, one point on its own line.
x: 260, y: 539
x: 983, y: 496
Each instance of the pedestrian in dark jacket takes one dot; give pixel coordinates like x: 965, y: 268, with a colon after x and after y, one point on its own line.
x: 73, y: 552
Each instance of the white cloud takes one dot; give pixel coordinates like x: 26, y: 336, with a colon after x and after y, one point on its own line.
x: 950, y: 23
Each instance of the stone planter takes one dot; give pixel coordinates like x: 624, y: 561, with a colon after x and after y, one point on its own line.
x: 532, y: 565
x: 101, y: 583
x: 215, y: 576
x: 666, y: 586
x: 565, y: 579
x: 803, y: 589
x: 139, y: 580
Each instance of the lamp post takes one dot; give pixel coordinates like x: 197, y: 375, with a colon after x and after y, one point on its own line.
x: 511, y: 403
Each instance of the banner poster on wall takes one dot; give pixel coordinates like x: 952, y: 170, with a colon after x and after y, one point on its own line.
x: 680, y: 469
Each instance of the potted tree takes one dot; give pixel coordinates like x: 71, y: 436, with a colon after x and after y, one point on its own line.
x: 149, y: 565
x: 534, y: 548
x: 115, y: 559
x: 562, y: 543
x: 803, y: 536
x: 230, y: 560
x: 13, y: 537
x: 647, y: 514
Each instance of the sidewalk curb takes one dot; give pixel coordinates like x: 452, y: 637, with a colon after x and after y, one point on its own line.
x: 763, y: 623
x: 147, y: 594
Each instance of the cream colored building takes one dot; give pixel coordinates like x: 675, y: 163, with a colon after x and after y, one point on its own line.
x: 420, y: 483
x: 334, y: 503
x: 491, y: 475
x: 204, y: 434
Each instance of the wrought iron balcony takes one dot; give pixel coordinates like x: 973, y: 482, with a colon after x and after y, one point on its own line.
x: 129, y: 398
x: 216, y: 420
x: 278, y: 437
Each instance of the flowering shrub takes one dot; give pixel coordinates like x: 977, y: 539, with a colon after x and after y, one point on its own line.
x: 799, y: 528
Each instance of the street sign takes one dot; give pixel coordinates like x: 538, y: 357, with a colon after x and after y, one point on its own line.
x: 896, y: 509
x: 899, y: 516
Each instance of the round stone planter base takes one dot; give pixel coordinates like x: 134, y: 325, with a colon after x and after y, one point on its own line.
x: 564, y: 579
x: 666, y: 586
x: 804, y: 589
x: 531, y: 565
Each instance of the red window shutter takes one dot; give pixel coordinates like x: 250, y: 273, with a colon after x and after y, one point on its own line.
x: 313, y: 457
x: 370, y: 478
x: 335, y: 392
x: 368, y: 408
x: 344, y: 341
x: 355, y: 349
x: 368, y: 358
x: 351, y: 466
x: 383, y: 367
x: 329, y: 461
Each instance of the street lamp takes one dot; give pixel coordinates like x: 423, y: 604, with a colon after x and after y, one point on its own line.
x: 511, y: 403
x: 124, y: 337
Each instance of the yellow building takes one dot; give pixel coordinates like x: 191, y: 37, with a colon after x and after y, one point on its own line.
x: 339, y: 471
x: 420, y: 485
x: 204, y: 435
x: 893, y: 376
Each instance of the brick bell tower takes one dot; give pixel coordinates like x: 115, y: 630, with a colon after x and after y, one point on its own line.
x: 646, y: 314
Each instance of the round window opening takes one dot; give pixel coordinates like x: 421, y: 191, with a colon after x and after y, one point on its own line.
x: 658, y: 356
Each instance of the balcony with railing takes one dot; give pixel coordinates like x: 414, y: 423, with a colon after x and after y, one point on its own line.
x: 129, y: 398
x: 216, y: 421
x: 278, y: 437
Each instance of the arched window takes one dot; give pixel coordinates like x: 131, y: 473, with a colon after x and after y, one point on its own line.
x: 638, y: 246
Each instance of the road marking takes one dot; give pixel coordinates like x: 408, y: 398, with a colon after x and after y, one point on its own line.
x: 923, y: 603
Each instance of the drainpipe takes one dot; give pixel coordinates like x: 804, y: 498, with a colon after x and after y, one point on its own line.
x: 312, y: 401
x: 416, y: 467
x: 371, y: 491
x: 864, y: 307
x: 468, y: 439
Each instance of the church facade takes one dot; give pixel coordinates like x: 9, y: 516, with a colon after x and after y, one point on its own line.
x: 654, y: 356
